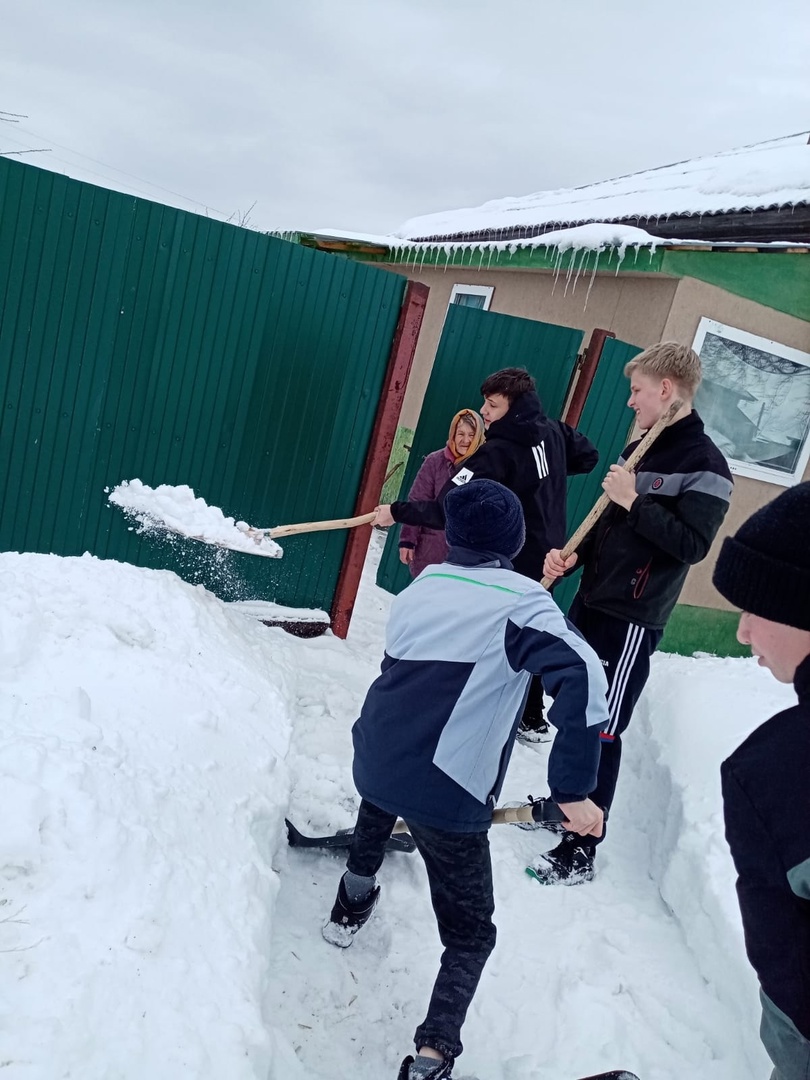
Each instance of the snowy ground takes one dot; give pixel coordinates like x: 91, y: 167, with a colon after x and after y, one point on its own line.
x: 154, y: 924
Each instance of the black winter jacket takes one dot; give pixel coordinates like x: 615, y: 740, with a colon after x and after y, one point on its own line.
x: 767, y: 815
x: 635, y: 562
x: 532, y: 456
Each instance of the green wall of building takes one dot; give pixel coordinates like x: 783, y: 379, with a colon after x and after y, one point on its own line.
x: 776, y: 278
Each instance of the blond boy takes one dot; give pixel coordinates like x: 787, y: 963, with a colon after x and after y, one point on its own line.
x: 661, y: 520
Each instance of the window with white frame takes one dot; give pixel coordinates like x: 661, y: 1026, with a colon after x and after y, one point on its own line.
x: 477, y: 296
x: 755, y: 402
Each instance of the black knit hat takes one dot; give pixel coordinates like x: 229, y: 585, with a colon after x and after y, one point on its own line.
x: 483, y: 515
x: 765, y: 567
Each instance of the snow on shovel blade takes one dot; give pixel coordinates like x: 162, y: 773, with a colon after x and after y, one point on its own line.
x: 401, y: 841
x: 178, y: 510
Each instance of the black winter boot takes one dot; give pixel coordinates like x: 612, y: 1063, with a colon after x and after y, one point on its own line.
x: 421, y: 1068
x: 346, y: 918
x: 569, y: 863
x: 532, y: 729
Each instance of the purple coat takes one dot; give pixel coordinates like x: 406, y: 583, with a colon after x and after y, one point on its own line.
x: 429, y: 545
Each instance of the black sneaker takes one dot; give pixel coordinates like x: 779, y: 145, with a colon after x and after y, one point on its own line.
x: 533, y: 731
x: 443, y: 1070
x: 346, y: 919
x: 569, y: 863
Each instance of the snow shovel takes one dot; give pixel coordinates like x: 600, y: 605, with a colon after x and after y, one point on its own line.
x: 252, y: 541
x: 538, y: 811
x: 260, y: 536
x: 307, y: 527
x: 599, y: 506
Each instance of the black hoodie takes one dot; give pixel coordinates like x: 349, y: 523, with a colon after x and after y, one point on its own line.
x: 767, y: 817
x: 532, y: 456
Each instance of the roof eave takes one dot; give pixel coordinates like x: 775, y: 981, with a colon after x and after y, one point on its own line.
x: 783, y: 222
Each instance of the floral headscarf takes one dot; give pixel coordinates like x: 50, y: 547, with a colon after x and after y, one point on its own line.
x: 473, y: 420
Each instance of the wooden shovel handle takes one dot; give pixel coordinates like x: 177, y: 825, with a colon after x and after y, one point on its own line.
x: 501, y: 815
x: 538, y: 811
x: 600, y: 504
x: 317, y: 526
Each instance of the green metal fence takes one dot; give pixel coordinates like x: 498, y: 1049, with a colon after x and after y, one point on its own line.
x: 473, y: 344
x: 137, y: 340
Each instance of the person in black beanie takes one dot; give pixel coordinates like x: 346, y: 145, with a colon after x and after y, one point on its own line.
x: 435, y: 734
x: 533, y: 455
x: 765, y: 570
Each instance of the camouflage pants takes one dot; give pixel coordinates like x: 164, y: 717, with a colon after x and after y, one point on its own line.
x: 460, y: 878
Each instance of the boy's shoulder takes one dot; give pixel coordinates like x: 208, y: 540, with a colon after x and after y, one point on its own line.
x: 703, y: 453
x: 694, y: 450
x: 779, y: 744
x: 499, y: 579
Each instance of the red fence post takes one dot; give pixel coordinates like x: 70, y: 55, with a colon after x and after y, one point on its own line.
x: 400, y: 360
x: 589, y: 364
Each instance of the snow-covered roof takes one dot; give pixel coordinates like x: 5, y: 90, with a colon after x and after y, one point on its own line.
x: 766, y: 175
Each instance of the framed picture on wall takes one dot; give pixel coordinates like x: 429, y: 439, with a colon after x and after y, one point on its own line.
x: 755, y: 402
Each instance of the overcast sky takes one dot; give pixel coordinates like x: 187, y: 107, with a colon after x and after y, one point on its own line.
x: 359, y: 114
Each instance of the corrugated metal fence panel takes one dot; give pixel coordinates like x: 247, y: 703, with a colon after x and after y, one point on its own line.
x: 141, y: 341
x: 607, y: 422
x: 474, y: 343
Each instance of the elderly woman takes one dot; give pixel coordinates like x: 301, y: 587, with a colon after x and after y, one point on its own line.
x: 420, y: 546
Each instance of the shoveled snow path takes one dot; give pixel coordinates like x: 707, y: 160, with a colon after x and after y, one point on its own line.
x: 582, y: 979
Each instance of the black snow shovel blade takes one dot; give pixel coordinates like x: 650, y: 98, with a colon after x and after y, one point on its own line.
x: 400, y: 841
x: 622, y: 1074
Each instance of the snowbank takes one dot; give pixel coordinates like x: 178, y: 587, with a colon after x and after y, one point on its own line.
x: 143, y: 787
x: 153, y: 922
x: 693, y: 713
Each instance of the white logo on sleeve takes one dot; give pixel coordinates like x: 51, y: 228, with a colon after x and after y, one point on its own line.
x: 540, y: 459
x: 463, y: 476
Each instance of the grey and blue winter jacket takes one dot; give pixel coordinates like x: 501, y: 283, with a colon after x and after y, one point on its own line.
x: 437, y: 728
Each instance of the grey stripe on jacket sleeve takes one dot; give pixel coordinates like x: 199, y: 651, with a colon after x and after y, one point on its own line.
x: 787, y: 1047
x: 799, y: 879
x: 705, y: 481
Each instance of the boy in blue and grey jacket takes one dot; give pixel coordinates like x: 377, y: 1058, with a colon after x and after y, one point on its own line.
x: 436, y: 732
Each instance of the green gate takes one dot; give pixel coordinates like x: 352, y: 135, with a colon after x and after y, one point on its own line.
x: 473, y: 344
x: 142, y: 341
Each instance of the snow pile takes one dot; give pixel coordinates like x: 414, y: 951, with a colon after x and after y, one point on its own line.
x: 773, y: 173
x: 143, y: 787
x: 179, y: 510
x: 692, y: 715
x: 153, y: 922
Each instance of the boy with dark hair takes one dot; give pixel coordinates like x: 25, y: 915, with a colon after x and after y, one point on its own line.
x: 533, y: 456
x: 765, y: 570
x: 435, y: 734
x: 661, y: 521
x: 509, y: 383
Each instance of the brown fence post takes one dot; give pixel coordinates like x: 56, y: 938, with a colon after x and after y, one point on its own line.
x: 403, y: 348
x: 590, y: 363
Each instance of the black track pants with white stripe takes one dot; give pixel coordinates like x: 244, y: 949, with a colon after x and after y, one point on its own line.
x: 625, y: 650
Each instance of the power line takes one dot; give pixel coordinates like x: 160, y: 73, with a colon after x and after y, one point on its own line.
x: 123, y: 172
x: 12, y: 153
